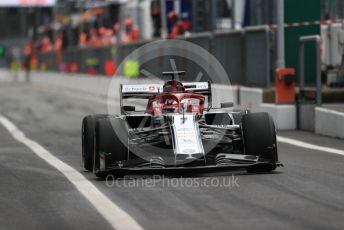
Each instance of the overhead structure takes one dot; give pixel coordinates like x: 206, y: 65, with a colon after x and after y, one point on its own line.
x: 27, y: 3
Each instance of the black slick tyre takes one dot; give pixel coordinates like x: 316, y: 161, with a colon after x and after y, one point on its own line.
x: 259, y: 137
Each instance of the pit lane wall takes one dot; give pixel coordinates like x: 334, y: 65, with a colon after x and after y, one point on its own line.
x: 329, y: 122
x: 243, y: 97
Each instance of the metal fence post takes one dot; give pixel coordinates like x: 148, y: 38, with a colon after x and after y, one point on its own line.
x: 301, y: 66
x: 280, y: 34
x: 303, y: 40
x: 319, y: 95
x: 257, y: 55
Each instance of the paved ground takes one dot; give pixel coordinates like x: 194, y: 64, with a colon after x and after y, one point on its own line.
x: 335, y: 106
x: 306, y: 194
x: 332, y: 96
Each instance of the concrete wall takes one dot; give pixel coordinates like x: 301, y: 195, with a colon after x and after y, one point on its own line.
x: 284, y: 116
x: 329, y: 122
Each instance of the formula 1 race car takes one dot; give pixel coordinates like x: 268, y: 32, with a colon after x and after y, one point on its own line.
x: 177, y: 131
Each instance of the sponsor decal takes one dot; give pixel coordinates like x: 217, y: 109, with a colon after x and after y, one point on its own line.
x: 185, y: 133
x: 197, y: 86
x: 142, y: 88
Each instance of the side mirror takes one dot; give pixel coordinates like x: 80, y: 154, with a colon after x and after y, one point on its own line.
x: 128, y: 108
x: 226, y: 105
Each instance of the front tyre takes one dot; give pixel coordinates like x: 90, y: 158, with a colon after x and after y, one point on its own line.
x: 88, y: 135
x: 259, y: 136
x: 111, y: 144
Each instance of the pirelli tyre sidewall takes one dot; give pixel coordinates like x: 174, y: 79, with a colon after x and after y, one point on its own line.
x: 259, y: 137
x: 108, y: 141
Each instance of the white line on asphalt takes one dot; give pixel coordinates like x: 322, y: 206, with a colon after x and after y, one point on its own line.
x: 309, y: 146
x: 116, y: 217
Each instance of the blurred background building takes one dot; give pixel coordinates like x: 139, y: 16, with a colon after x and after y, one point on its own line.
x: 46, y: 30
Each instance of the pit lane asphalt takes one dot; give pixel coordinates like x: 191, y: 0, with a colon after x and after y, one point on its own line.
x: 306, y: 194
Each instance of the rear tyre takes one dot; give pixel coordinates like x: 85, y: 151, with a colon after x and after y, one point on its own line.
x: 259, y: 136
x: 112, y: 140
x: 237, y: 115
